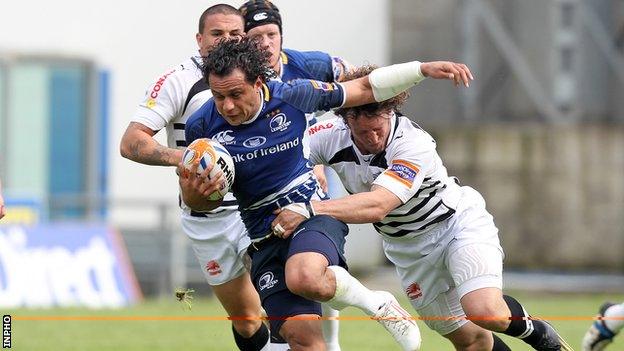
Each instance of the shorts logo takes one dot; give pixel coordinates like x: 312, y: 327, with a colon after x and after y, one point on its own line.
x: 279, y: 123
x: 254, y: 142
x: 213, y: 268
x: 403, y: 171
x: 318, y: 85
x: 224, y: 137
x: 260, y: 16
x: 267, y: 281
x: 413, y: 291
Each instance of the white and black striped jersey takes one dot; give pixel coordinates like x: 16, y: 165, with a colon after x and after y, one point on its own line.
x: 170, y: 101
x: 409, y: 167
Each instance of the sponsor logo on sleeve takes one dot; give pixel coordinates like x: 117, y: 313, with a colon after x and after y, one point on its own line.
x: 153, y: 94
x: 403, y: 171
x: 318, y: 85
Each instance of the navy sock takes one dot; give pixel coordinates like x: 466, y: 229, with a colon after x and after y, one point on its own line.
x: 521, y: 326
x: 254, y: 343
x: 499, y: 345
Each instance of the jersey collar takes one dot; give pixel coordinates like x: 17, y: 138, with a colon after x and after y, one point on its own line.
x: 394, y: 123
x: 283, y: 61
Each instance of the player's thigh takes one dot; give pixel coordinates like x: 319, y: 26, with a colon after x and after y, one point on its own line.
x: 238, y: 296
x: 220, y: 256
x: 444, y: 314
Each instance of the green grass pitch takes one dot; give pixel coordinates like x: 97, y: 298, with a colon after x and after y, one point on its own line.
x: 570, y: 312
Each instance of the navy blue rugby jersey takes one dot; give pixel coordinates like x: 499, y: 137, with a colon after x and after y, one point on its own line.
x: 270, y: 160
x: 306, y: 64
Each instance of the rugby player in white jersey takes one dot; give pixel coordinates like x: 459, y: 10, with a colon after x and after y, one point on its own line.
x: 438, y: 234
x: 218, y: 237
x: 610, y: 321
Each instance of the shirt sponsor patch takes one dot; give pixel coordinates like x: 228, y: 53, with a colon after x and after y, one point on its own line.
x: 323, y: 85
x: 320, y: 126
x: 403, y: 171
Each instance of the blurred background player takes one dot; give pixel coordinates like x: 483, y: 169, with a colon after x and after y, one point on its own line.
x: 267, y: 121
x: 438, y: 234
x: 218, y: 237
x: 263, y: 22
x: 609, y: 322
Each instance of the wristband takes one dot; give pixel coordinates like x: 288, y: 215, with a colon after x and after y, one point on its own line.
x: 390, y: 81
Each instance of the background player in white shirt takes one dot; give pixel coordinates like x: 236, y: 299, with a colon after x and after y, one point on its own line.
x: 218, y: 237
x: 438, y: 234
x: 609, y: 323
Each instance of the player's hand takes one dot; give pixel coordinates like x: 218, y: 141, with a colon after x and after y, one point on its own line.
x: 319, y: 172
x: 457, y: 72
x: 197, y: 187
x: 288, y: 221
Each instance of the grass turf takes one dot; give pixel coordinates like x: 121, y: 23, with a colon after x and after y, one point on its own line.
x: 569, y: 313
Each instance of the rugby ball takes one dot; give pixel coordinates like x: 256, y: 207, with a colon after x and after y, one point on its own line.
x: 206, y: 152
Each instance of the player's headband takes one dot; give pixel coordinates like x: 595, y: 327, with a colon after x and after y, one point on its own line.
x: 260, y: 12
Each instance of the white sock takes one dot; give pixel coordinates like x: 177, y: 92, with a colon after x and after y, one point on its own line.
x: 350, y: 292
x: 330, y: 328
x: 615, y: 311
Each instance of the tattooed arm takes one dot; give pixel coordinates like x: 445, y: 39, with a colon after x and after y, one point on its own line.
x: 138, y: 144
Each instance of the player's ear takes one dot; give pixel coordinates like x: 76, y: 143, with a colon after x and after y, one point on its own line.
x: 258, y: 84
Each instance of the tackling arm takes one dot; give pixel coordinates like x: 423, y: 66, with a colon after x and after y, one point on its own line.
x: 368, y: 207
x: 138, y: 144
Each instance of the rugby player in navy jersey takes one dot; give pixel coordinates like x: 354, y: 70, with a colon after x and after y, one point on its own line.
x: 218, y: 238
x: 266, y: 120
x: 263, y: 22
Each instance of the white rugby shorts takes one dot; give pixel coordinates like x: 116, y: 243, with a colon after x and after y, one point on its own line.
x: 437, y: 268
x: 219, y: 243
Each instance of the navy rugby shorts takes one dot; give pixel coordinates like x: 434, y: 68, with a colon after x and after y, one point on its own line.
x: 321, y: 234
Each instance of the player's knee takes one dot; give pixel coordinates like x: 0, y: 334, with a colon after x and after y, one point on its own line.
x: 491, y: 315
x: 303, y: 282
x: 246, y: 327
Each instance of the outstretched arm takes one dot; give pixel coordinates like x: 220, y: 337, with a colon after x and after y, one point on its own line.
x: 386, y: 82
x: 368, y: 207
x: 138, y: 144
